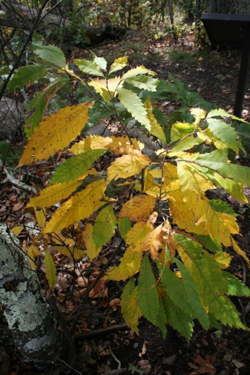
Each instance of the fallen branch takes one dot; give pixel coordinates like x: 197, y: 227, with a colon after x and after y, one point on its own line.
x: 14, y: 181
x: 100, y: 331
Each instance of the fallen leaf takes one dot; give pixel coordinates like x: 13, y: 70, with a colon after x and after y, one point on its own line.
x: 237, y: 363
x: 206, y: 366
x: 18, y: 206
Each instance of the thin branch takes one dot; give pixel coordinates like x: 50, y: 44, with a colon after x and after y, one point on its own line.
x: 15, y: 65
x: 100, y: 331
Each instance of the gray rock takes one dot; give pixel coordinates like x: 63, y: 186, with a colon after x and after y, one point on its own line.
x: 11, y: 115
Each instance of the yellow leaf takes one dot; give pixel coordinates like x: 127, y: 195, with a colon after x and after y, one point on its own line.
x: 118, y: 145
x: 55, y: 133
x: 17, y: 230
x: 70, y: 252
x: 150, y: 186
x: 87, y: 233
x: 156, y: 172
x: 195, y: 215
x: 170, y: 174
x: 54, y: 194
x: 161, y: 153
x: 223, y: 259
x: 166, y: 177
x: 32, y: 252
x: 137, y: 71
x: 138, y: 208
x: 130, y: 308
x: 138, y: 234
x: 191, y: 180
x: 79, y: 207
x: 107, y: 88
x: 239, y: 251
x: 40, y: 217
x: 198, y: 113
x: 90, y: 143
x: 122, y: 145
x: 129, y: 266
x: 50, y: 269
x: 156, y: 128
x: 217, y: 142
x: 154, y: 242
x: 128, y: 165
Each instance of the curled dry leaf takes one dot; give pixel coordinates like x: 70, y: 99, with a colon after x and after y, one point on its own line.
x: 114, y: 303
x: 82, y: 282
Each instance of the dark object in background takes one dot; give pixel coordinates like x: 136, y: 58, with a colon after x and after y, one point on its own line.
x: 231, y: 30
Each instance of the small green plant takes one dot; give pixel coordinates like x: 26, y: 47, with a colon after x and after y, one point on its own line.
x: 178, y: 55
x: 175, y: 260
x: 10, y: 155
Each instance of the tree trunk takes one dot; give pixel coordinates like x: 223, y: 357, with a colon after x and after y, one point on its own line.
x: 24, y: 307
x: 171, y: 11
x: 228, y: 6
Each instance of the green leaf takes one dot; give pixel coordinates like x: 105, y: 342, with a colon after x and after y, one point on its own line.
x: 218, y: 113
x: 225, y: 133
x: 221, y: 206
x: 118, y: 64
x: 50, y: 269
x: 104, y: 227
x: 191, y: 290
x: 179, y: 320
x: 40, y: 104
x: 137, y: 71
x: 220, y: 155
x: 129, y: 304
x: 209, y: 243
x: 124, y: 226
x: 175, y: 289
x: 180, y: 130
x: 129, y: 265
x: 235, y: 286
x: 54, y: 194
x: 37, y: 39
x: 211, y: 283
x: 76, y: 166
x: 100, y: 61
x: 134, y: 105
x: 25, y: 75
x: 234, y: 188
x: 191, y: 180
x: 222, y: 113
x: 148, y: 297
x: 236, y: 172
x: 185, y: 144
x: 143, y: 82
x: 156, y: 128
x: 51, y: 54
x: 89, y: 67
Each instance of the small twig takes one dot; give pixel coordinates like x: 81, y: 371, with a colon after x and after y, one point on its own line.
x: 115, y: 358
x: 14, y: 181
x: 100, y: 331
x: 29, y: 37
x: 247, y: 308
x: 71, y: 368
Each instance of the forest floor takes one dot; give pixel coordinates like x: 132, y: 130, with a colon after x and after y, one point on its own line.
x: 104, y: 345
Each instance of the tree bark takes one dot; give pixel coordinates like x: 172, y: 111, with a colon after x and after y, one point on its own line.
x: 228, y: 6
x: 24, y: 306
